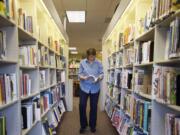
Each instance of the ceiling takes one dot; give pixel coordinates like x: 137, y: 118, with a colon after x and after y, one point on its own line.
x: 98, y: 14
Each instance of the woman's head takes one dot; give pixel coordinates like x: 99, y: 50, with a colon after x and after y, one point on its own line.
x: 91, y: 54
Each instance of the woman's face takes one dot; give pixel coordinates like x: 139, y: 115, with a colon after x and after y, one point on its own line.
x: 91, y: 58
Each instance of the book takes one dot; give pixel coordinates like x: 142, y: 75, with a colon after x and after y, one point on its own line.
x: 42, y: 81
x: 3, y: 48
x: 3, y: 125
x: 43, y: 56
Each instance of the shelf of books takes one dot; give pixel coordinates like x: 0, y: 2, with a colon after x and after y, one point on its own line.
x: 32, y: 69
x: 141, y: 60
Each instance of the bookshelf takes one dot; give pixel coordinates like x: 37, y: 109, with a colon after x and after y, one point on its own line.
x: 32, y: 54
x: 140, y: 41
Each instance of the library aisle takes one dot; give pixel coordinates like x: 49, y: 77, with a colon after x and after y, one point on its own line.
x: 71, y: 120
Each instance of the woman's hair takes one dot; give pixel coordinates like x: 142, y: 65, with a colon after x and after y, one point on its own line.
x: 91, y: 51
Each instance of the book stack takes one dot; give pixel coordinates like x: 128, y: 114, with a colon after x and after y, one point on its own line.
x: 42, y: 77
x: 8, y: 88
x: 166, y: 84
x: 28, y: 55
x: 25, y: 21
x: 172, y: 42
x: 43, y: 56
x: 144, y: 52
x: 165, y: 7
x: 3, y: 44
x: 7, y: 8
x: 25, y: 84
x: 142, y: 82
x: 128, y: 58
x: 126, y: 80
x: 3, y: 125
x: 172, y: 124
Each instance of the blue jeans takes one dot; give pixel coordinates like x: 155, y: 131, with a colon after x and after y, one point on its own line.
x: 93, y: 109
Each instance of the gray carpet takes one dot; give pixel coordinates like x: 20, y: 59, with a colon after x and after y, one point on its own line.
x: 70, y: 123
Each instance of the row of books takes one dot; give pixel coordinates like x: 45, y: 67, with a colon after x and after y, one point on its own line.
x: 3, y: 50
x: 54, y: 44
x: 8, y: 88
x: 128, y: 58
x: 46, y: 100
x: 122, y: 121
x: 7, y: 8
x: 172, y: 124
x: 28, y: 55
x: 120, y: 79
x: 25, y: 21
x: 50, y: 125
x: 124, y: 125
x: 165, y: 7
x: 142, y: 81
x: 166, y: 84
x: 43, y: 56
x: 144, y: 52
x: 61, y: 76
x: 172, y: 40
x: 3, y: 129
x: 25, y: 84
x: 74, y: 63
x: 30, y: 112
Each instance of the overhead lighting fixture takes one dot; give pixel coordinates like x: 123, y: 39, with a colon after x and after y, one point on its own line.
x: 76, y: 16
x: 74, y: 52
x: 72, y: 48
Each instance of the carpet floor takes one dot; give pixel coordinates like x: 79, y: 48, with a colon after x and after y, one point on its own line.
x: 70, y: 123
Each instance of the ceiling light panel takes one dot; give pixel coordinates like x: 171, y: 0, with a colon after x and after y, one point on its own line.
x: 76, y: 16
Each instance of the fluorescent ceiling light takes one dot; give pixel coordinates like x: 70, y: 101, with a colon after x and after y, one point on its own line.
x: 74, y: 52
x: 72, y: 48
x: 76, y: 16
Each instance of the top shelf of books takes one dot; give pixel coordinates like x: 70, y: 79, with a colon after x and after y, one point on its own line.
x: 30, y: 16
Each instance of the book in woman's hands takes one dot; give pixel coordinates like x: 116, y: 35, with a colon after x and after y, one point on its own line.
x: 93, y: 78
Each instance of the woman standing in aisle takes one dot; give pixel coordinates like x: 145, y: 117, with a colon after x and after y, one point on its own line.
x: 90, y: 75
